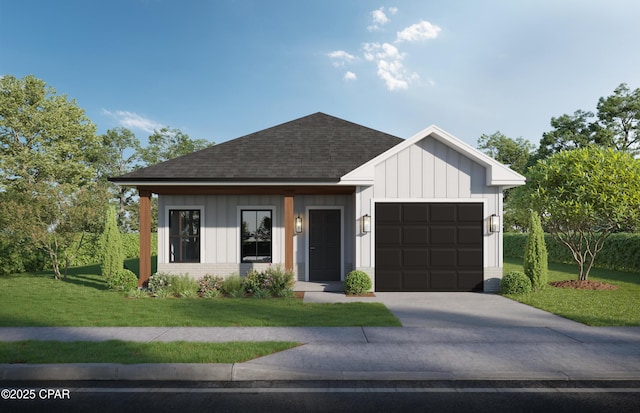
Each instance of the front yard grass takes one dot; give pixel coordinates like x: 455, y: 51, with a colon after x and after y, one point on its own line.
x: 127, y: 352
x: 619, y: 307
x: 83, y: 300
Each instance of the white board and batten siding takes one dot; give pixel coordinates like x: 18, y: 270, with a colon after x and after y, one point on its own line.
x: 430, y: 171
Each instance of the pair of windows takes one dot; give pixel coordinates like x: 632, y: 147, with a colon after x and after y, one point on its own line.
x: 185, y: 231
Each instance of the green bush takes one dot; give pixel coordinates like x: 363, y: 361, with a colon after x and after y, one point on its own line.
x: 110, y: 245
x: 233, y: 286
x: 209, y: 283
x: 122, y: 280
x: 159, y: 284
x: 535, y: 254
x: 621, y: 251
x: 279, y: 280
x: 183, y: 286
x: 256, y: 281
x: 357, y: 282
x: 515, y: 282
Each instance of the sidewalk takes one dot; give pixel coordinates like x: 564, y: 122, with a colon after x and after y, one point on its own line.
x: 515, y: 342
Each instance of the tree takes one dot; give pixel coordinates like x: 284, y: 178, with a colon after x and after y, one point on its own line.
x: 119, y: 156
x: 569, y: 132
x: 168, y: 143
x: 514, y: 153
x: 619, y: 116
x: 44, y: 137
x: 111, y: 246
x: 583, y: 196
x: 535, y: 254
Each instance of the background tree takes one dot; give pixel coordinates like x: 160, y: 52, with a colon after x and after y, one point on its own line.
x: 583, y: 196
x: 118, y: 157
x: 48, y: 150
x: 569, y: 132
x: 167, y: 144
x: 619, y: 119
x: 515, y: 153
x: 535, y: 254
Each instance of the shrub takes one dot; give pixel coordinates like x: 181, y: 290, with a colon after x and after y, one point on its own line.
x: 357, y: 282
x: 135, y: 293
x: 256, y: 281
x: 183, y: 286
x: 122, y: 280
x: 112, y: 255
x: 233, y: 286
x: 212, y: 294
x: 515, y: 282
x: 261, y: 293
x: 209, y: 283
x: 535, y: 254
x: 159, y: 284
x: 279, y: 279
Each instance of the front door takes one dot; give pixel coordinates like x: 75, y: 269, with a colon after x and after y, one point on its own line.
x: 324, y: 245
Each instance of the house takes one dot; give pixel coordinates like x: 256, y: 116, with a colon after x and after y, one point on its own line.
x: 323, y: 196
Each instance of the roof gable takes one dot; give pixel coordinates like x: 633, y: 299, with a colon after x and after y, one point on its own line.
x: 497, y: 173
x: 314, y: 148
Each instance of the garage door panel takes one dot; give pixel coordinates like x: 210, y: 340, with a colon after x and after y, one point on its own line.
x: 415, y: 235
x: 415, y: 280
x: 429, y: 246
x: 444, y: 281
x: 469, y: 235
x: 442, y: 213
x: 442, y: 258
x: 442, y: 235
x: 415, y: 258
x: 415, y: 213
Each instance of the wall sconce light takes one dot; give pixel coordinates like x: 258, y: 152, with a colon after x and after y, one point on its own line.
x: 494, y: 223
x: 298, y: 225
x: 366, y: 223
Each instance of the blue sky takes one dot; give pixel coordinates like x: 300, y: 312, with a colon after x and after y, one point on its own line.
x: 222, y: 69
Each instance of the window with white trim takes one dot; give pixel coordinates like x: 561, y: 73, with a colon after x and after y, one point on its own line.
x: 256, y: 235
x: 184, y: 235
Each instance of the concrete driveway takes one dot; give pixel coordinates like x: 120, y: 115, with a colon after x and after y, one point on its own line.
x: 453, y: 309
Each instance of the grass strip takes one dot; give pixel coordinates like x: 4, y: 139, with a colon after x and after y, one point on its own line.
x: 129, y: 352
x: 595, y: 308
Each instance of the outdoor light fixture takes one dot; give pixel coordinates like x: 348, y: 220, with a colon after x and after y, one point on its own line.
x: 298, y: 225
x: 494, y: 223
x: 366, y: 223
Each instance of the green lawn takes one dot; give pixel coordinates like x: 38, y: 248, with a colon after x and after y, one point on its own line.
x: 84, y: 300
x: 619, y: 307
x: 127, y: 352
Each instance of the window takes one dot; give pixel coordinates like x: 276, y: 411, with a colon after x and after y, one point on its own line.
x: 256, y: 236
x: 184, y: 235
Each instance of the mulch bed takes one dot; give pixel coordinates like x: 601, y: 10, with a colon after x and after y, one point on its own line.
x: 369, y: 294
x: 299, y: 294
x: 584, y: 285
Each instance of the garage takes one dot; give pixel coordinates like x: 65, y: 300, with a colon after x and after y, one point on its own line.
x: 428, y: 246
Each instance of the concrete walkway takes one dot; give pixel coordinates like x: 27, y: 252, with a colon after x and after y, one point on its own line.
x: 446, y: 336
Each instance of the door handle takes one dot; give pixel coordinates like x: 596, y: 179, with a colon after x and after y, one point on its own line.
x: 312, y: 248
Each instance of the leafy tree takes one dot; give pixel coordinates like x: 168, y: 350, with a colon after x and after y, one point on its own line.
x: 111, y: 246
x: 56, y: 218
x: 44, y: 137
x: 514, y: 153
x: 118, y: 157
x: 569, y: 132
x: 619, y: 116
x: 583, y: 196
x: 168, y: 143
x: 535, y: 254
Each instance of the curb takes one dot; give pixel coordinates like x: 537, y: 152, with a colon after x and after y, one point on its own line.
x: 239, y: 373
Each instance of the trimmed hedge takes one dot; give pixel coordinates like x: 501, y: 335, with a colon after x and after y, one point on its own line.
x: 621, y: 251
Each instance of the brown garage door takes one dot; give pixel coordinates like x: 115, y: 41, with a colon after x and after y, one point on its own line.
x: 428, y: 246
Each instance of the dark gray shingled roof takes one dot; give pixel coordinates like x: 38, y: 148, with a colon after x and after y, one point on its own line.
x: 314, y: 148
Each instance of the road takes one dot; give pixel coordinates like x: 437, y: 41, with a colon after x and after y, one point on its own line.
x: 343, y: 396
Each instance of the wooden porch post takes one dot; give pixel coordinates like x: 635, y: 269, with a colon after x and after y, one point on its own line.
x: 145, y: 237
x: 288, y: 232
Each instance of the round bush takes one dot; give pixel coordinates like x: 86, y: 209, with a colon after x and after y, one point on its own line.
x: 515, y: 282
x: 122, y: 280
x: 357, y: 282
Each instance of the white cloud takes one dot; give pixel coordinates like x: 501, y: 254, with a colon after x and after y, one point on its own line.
x: 419, y: 31
x: 389, y: 62
x: 131, y: 120
x: 373, y: 51
x: 340, y: 58
x: 349, y: 76
x: 380, y: 18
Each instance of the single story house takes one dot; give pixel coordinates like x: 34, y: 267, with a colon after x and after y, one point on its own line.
x: 323, y: 196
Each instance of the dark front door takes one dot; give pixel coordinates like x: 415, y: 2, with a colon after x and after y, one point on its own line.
x: 324, y: 245
x: 429, y: 247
